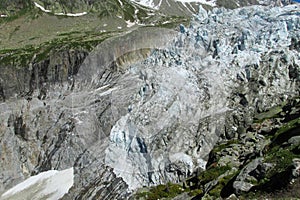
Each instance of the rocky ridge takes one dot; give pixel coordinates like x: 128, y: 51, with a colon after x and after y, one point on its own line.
x: 113, y: 7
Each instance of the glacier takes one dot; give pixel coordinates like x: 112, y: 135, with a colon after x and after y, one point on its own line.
x: 191, y: 82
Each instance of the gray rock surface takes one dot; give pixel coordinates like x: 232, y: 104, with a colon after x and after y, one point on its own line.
x: 296, y: 170
x: 24, y: 80
x: 294, y: 140
x: 244, y: 179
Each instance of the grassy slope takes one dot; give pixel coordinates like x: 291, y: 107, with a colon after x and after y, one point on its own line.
x: 32, y: 31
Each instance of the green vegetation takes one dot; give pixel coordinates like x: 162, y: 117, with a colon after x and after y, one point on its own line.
x: 212, y: 173
x: 167, y: 191
x: 277, y: 111
x: 271, y: 113
x: 223, y: 175
x: 279, y: 153
x: 278, y: 176
x: 172, y: 22
x: 23, y: 56
x: 287, y: 127
x: 196, y: 192
x: 220, y: 147
x: 281, y: 157
x: 30, y: 33
x: 14, y: 6
x: 216, y: 191
x: 129, y: 12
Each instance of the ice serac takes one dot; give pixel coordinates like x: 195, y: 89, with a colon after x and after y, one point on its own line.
x: 51, y: 185
x: 204, y: 87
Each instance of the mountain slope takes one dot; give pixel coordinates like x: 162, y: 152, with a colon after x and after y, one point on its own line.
x: 141, y: 106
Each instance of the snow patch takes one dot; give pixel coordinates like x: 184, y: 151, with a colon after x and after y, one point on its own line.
x: 166, y: 22
x: 101, y: 88
x: 59, y: 14
x: 130, y: 24
x: 52, y: 184
x: 151, y: 4
x: 184, y: 158
x: 206, y: 2
x: 168, y: 3
x: 159, y: 4
x: 146, y: 3
x: 121, y: 3
x: 76, y: 14
x: 41, y: 7
x: 109, y: 91
x: 184, y: 4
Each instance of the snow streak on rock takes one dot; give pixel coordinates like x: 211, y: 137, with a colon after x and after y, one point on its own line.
x: 61, y: 14
x: 152, y: 3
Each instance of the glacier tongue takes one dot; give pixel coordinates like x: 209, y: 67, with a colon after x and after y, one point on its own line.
x: 142, y: 143
x: 191, y: 91
x: 51, y: 185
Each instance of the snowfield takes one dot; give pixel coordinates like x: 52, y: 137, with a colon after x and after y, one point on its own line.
x: 50, y: 185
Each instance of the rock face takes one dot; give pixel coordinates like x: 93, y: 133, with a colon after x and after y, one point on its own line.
x: 24, y: 80
x: 123, y: 124
x: 70, y: 125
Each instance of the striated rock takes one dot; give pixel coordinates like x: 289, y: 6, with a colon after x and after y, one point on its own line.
x: 241, y: 183
x: 59, y: 68
x: 232, y: 197
x: 250, y: 175
x: 294, y: 140
x: 296, y: 170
